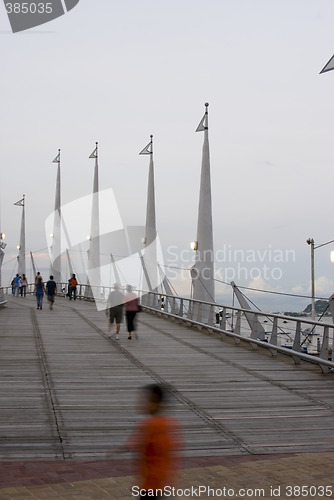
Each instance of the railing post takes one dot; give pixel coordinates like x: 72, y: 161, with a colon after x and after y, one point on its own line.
x: 181, y: 308
x: 237, y: 327
x: 211, y: 317
x: 296, y: 343
x: 190, y: 307
x: 324, y: 349
x: 199, y: 312
x: 152, y: 296
x: 223, y: 320
x: 273, y: 337
x: 174, y: 306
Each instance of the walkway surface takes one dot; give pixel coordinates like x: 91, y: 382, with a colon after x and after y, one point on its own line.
x: 68, y: 396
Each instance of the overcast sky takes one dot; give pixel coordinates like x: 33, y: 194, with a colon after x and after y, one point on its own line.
x: 115, y: 72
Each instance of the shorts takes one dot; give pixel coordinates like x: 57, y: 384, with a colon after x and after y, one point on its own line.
x: 51, y: 298
x: 116, y: 314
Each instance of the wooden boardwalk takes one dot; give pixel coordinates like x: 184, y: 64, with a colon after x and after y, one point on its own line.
x: 69, y: 391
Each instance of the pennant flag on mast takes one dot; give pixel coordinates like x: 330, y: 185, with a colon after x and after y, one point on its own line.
x: 329, y: 66
x: 148, y: 150
x: 203, y: 125
x: 57, y: 159
x: 94, y: 153
x: 20, y: 203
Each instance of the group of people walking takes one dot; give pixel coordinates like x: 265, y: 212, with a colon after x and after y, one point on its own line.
x: 115, y: 304
x: 50, y: 288
x: 19, y: 285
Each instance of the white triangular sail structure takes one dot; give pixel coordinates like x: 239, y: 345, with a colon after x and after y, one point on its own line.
x: 202, y: 272
x: 33, y: 265
x: 22, y: 246
x: 151, y: 229
x: 115, y: 270
x: 149, y: 255
x: 252, y: 320
x: 329, y: 66
x: 55, y: 268
x: 94, y: 276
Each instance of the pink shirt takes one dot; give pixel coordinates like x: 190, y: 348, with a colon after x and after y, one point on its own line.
x: 130, y: 300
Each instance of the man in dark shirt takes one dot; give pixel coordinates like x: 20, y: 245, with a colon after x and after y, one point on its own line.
x: 51, y: 290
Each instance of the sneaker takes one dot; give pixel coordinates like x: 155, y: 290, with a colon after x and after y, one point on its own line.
x: 117, y: 337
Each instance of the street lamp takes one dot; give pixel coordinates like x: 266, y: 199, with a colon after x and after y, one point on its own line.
x: 310, y: 241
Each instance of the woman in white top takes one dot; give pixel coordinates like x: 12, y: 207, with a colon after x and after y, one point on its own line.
x: 23, y: 285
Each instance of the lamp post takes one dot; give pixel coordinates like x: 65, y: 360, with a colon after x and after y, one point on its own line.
x: 310, y: 242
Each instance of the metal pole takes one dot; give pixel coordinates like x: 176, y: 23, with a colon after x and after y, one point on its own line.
x: 312, y: 272
x: 310, y: 241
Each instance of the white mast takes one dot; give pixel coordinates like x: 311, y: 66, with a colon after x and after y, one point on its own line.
x: 149, y: 256
x: 22, y: 246
x: 202, y: 272
x: 94, y: 276
x: 56, y: 235
x: 150, y: 230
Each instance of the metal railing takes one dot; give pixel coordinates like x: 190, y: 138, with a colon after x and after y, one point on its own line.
x: 299, y: 338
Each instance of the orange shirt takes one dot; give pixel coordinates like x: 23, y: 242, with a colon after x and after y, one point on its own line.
x: 156, y: 442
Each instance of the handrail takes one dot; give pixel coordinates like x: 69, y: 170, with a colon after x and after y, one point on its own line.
x: 267, y: 345
x: 200, y: 313
x: 261, y: 313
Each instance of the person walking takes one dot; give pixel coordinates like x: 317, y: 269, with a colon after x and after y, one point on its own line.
x: 51, y: 288
x: 157, y: 441
x: 39, y: 292
x: 16, y: 285
x: 131, y: 309
x: 38, y: 275
x: 115, y: 309
x: 23, y: 285
x: 73, y: 287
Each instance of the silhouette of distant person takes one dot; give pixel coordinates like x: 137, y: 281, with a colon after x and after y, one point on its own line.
x: 16, y: 285
x: 51, y: 288
x: 23, y: 285
x: 39, y: 292
x: 115, y: 308
x: 131, y: 309
x: 38, y: 275
x: 73, y: 287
